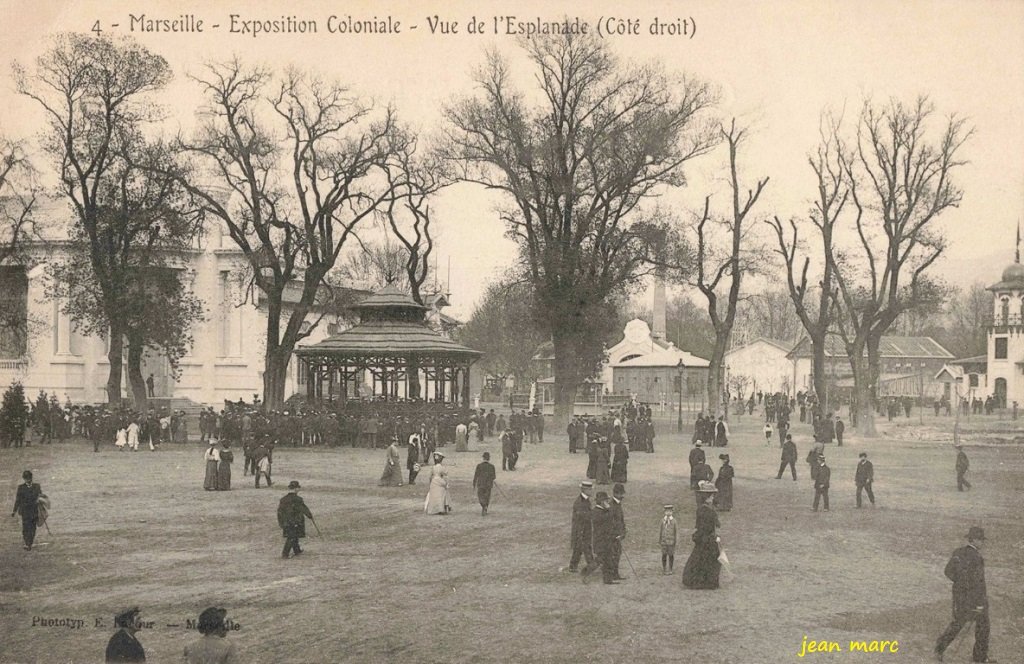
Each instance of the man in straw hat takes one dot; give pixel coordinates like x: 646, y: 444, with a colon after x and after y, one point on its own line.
x: 581, y: 537
x: 123, y: 646
x: 291, y: 516
x: 966, y: 569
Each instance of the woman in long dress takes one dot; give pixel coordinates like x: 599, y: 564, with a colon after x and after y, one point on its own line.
x: 602, y: 463
x: 224, y: 467
x: 392, y: 475
x: 438, y: 501
x: 702, y: 568
x: 121, y: 437
x: 619, y: 462
x: 212, y: 457
x: 723, y: 499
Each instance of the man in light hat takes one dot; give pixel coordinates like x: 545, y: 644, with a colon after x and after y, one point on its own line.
x: 966, y: 569
x: 667, y: 539
x: 864, y: 478
x: 291, y: 516
x: 582, y: 529
x: 821, y: 483
x: 123, y: 646
x: 962, y: 464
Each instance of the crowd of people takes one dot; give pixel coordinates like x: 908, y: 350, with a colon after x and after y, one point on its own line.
x: 598, y: 526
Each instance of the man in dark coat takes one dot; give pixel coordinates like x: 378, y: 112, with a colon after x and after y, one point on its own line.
x: 721, y: 432
x: 966, y: 569
x: 828, y: 429
x: 123, y: 646
x: 26, y: 503
x: 508, y: 450
x: 821, y: 483
x: 962, y: 464
x: 864, y: 478
x: 483, y: 481
x: 840, y: 429
x: 572, y: 431
x: 604, y: 538
x: 618, y: 528
x: 291, y: 516
x: 696, y: 457
x: 788, y: 457
x: 582, y: 529
x: 619, y: 461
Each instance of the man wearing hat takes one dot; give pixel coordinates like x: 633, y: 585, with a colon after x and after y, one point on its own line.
x: 789, y: 454
x: 821, y: 483
x: 701, y: 472
x: 123, y: 646
x: 604, y: 538
x: 582, y: 529
x: 291, y: 516
x: 966, y: 569
x: 483, y: 481
x: 26, y: 503
x: 864, y: 477
x: 962, y: 464
x: 696, y: 457
x: 618, y: 527
x: 667, y: 539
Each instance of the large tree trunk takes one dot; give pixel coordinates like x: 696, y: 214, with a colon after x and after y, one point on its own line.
x: 716, y: 378
x: 274, y: 372
x: 864, y: 393
x: 140, y: 396
x: 116, y: 358
x: 821, y: 386
x: 567, y: 378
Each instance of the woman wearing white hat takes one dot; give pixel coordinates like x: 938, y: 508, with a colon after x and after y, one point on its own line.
x: 438, y: 501
x: 702, y: 567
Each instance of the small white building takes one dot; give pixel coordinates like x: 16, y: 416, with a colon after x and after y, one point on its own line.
x: 763, y: 365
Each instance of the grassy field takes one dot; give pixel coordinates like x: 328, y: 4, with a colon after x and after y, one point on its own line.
x: 387, y: 583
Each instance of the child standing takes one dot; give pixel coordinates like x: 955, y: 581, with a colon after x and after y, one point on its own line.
x: 768, y: 434
x: 667, y: 539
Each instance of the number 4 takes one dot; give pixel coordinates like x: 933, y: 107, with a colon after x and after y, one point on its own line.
x: 96, y: 28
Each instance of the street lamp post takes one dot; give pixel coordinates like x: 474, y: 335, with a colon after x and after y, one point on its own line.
x: 679, y: 416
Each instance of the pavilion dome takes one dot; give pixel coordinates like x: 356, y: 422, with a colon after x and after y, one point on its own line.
x: 1014, y: 273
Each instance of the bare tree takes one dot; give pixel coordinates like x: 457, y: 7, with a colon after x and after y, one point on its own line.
x: 291, y: 204
x: 833, y: 192
x: 19, y: 192
x: 95, y: 95
x: 720, y: 270
x: 900, y: 182
x: 408, y: 215
x: 577, y: 168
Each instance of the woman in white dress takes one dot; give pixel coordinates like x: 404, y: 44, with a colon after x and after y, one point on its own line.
x: 121, y: 438
x: 438, y: 501
x: 133, y: 435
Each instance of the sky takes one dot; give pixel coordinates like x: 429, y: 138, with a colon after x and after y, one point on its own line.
x: 777, y: 65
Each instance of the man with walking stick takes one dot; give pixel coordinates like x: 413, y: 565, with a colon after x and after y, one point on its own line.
x: 291, y: 516
x: 26, y: 504
x: 966, y: 569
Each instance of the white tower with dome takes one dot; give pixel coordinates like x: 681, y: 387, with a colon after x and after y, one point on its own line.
x: 1006, y: 335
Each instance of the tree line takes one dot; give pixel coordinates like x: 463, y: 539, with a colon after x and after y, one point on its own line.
x: 294, y: 166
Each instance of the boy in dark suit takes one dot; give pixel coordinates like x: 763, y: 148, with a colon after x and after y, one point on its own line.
x: 821, y: 483
x: 483, y: 481
x: 864, y: 478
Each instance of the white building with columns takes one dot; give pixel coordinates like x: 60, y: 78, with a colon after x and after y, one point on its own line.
x: 224, y: 363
